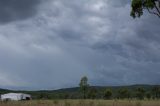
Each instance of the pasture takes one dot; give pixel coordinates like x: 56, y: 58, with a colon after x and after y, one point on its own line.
x: 83, y: 103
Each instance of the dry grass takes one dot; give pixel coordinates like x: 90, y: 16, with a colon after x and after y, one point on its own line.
x: 82, y: 103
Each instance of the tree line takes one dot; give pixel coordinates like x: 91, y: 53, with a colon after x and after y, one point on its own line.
x: 89, y: 92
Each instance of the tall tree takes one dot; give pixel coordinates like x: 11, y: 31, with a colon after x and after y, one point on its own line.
x: 138, y: 6
x: 84, y: 86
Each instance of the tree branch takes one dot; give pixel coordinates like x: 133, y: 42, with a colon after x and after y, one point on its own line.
x: 151, y: 12
x: 157, y: 8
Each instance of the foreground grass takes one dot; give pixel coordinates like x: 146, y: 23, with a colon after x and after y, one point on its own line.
x: 82, y: 103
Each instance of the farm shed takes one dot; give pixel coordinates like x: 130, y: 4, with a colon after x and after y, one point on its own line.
x: 15, y: 96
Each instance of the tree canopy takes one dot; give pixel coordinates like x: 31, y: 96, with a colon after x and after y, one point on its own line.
x: 84, y: 86
x: 107, y: 94
x: 138, y: 7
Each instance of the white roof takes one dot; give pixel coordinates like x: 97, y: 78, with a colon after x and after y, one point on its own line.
x: 13, y: 94
x: 16, y: 94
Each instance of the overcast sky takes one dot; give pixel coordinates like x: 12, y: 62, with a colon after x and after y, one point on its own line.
x: 51, y: 44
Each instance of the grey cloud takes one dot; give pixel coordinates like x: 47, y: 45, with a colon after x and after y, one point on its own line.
x: 11, y: 10
x: 118, y: 3
x: 69, y: 39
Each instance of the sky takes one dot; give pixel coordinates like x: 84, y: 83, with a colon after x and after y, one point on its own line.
x: 51, y: 44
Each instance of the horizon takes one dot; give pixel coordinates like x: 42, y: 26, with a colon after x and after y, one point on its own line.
x: 50, y: 44
x: 55, y: 89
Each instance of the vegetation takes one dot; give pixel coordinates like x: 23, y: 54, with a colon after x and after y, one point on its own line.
x: 92, y: 93
x: 84, y: 91
x: 85, y: 95
x: 138, y: 6
x: 156, y: 92
x: 123, y: 93
x: 84, y: 86
x: 108, y: 94
x: 140, y: 93
x: 82, y: 103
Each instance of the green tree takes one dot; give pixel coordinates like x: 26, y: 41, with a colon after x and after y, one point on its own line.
x: 41, y: 96
x: 107, y: 94
x: 156, y: 92
x: 140, y: 93
x: 92, y: 93
x: 123, y: 93
x: 138, y: 6
x: 66, y: 95
x: 148, y: 95
x: 84, y: 86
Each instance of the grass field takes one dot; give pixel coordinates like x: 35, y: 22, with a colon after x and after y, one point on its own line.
x: 82, y: 103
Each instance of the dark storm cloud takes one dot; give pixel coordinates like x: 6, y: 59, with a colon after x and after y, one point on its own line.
x: 68, y: 39
x: 116, y: 3
x: 11, y: 10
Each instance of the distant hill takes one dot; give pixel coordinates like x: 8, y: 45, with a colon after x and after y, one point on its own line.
x: 73, y: 93
x: 130, y: 87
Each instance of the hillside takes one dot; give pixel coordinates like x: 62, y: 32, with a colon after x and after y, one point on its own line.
x: 73, y: 93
